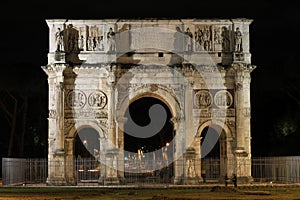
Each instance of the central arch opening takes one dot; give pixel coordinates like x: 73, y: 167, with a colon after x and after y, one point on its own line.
x: 148, y: 157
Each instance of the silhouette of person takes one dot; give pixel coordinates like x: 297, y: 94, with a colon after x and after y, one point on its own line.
x: 234, y: 180
x: 226, y: 180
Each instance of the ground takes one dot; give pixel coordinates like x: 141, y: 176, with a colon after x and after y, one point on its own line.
x: 211, y: 192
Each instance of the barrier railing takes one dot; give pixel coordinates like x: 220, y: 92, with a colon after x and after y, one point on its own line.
x: 16, y: 171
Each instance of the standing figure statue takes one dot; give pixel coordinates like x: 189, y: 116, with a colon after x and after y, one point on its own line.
x: 238, y: 40
x: 111, y: 40
x: 59, y: 40
x: 189, y: 40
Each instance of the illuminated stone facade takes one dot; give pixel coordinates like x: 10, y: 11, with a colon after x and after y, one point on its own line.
x: 200, y: 68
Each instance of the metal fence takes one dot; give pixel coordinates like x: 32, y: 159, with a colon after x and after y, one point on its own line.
x: 276, y: 169
x: 17, y: 171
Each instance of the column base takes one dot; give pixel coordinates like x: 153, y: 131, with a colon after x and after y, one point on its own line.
x: 191, y: 181
x: 71, y: 181
x: 244, y: 179
x: 57, y: 181
x: 109, y: 181
x: 177, y: 180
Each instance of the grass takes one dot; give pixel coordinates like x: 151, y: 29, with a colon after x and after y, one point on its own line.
x: 93, y: 193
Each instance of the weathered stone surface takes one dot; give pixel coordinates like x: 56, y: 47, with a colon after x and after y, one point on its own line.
x: 97, y: 67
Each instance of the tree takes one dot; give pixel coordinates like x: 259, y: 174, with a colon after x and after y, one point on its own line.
x: 23, y: 103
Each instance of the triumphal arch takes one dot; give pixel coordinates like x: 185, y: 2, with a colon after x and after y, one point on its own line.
x: 103, y: 76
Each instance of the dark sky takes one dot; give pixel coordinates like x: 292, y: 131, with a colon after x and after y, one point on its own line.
x: 274, y: 40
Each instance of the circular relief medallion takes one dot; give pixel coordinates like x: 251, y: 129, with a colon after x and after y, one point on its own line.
x: 76, y: 99
x: 223, y: 99
x: 97, y: 99
x: 203, y: 99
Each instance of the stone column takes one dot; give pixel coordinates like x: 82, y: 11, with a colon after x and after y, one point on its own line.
x: 110, y: 108
x: 242, y: 104
x: 70, y: 163
x: 178, y: 158
x: 120, y: 146
x: 56, y: 156
x: 60, y: 116
x: 197, y: 147
x: 239, y: 107
x: 112, y: 157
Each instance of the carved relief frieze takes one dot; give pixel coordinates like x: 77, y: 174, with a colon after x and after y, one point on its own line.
x: 68, y: 125
x: 103, y: 124
x: 214, y: 98
x: 217, y: 113
x: 202, y: 99
x: 187, y: 70
x: 231, y: 123
x: 85, y: 114
x: 223, y: 99
x: 52, y: 114
x: 94, y: 38
x: 76, y: 99
x: 101, y: 114
x: 97, y: 99
x: 203, y: 38
x: 247, y: 112
x: 217, y: 38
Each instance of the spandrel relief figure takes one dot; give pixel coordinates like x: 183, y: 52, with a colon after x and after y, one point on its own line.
x: 59, y: 40
x: 238, y: 40
x: 111, y: 40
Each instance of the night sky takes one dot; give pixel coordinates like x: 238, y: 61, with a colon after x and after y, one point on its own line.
x: 274, y: 44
